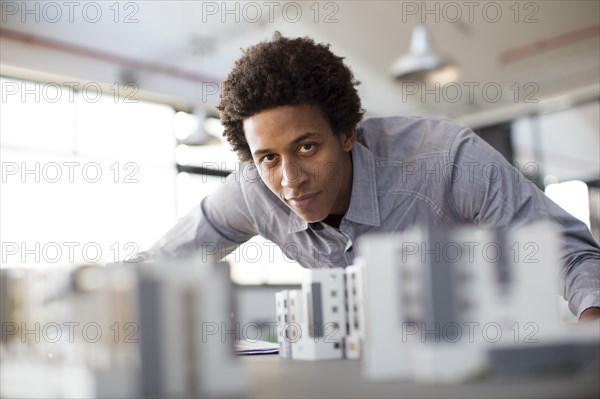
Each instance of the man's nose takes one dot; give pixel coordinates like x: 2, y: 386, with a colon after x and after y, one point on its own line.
x: 292, y: 174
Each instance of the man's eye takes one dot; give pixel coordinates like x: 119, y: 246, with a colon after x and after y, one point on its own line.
x: 307, y: 147
x: 268, y: 158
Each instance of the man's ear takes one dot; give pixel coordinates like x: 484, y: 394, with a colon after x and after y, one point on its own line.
x: 348, y: 139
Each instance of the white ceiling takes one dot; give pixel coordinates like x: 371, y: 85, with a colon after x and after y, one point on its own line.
x: 201, y: 39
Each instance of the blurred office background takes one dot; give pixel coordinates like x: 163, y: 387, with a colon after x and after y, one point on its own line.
x: 128, y: 90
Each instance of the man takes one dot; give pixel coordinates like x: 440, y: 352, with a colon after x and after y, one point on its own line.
x: 313, y: 180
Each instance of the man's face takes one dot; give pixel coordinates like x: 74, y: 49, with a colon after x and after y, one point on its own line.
x: 301, y: 160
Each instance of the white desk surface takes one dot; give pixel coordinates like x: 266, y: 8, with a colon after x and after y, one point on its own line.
x: 273, y: 377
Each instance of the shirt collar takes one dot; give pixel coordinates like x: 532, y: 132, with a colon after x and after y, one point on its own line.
x: 364, y: 207
x: 296, y: 223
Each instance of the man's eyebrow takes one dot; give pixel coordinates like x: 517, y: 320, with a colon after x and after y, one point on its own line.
x: 303, y: 137
x: 297, y: 140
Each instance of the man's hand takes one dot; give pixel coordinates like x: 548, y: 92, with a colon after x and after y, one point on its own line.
x: 590, y: 314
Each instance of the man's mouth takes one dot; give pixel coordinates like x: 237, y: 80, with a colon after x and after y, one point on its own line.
x: 303, y: 201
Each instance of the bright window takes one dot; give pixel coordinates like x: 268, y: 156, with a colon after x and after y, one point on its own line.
x: 92, y: 178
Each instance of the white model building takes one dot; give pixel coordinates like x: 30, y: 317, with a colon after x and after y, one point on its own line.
x: 449, y: 293
x: 323, y: 323
x: 297, y: 306
x: 432, y: 305
x: 449, y: 270
x: 533, y: 266
x: 354, y: 307
x: 317, y: 316
x: 386, y: 306
x: 283, y: 323
x: 325, y: 319
x: 187, y: 334
x: 163, y: 330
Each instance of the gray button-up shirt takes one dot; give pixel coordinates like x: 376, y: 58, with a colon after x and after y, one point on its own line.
x: 406, y: 171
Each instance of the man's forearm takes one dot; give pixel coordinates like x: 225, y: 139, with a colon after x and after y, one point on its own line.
x: 590, y: 314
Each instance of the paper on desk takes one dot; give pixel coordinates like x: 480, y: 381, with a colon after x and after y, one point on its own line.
x: 253, y: 347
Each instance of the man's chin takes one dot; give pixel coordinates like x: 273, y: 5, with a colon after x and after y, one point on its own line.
x: 309, y: 217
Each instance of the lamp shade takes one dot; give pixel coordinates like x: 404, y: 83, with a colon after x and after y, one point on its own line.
x: 422, y: 62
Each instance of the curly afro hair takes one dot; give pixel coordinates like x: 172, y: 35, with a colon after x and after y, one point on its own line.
x: 287, y: 71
